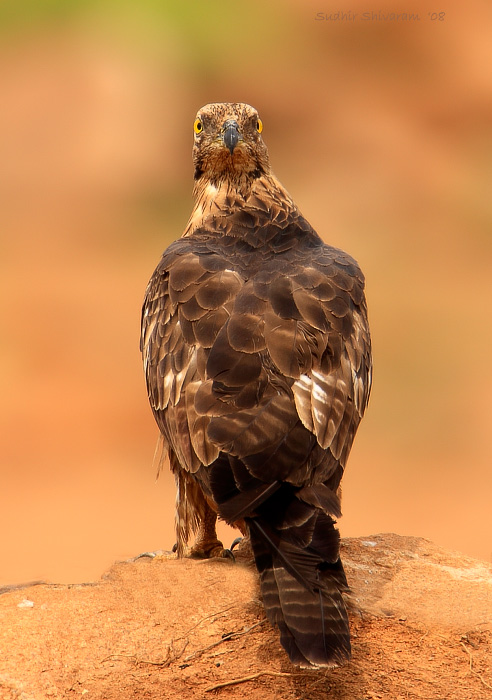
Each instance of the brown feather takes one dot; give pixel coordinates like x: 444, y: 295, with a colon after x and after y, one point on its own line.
x: 257, y: 357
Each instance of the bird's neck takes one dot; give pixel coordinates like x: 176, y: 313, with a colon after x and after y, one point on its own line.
x: 225, y: 199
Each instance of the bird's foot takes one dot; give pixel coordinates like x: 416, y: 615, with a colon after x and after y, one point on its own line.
x: 212, y: 549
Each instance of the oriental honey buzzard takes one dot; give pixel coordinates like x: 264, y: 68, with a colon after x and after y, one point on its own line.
x: 257, y: 356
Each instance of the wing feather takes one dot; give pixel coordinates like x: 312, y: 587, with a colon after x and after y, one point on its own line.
x: 214, y: 341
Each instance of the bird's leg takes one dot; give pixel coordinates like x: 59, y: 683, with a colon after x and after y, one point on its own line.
x: 207, y: 543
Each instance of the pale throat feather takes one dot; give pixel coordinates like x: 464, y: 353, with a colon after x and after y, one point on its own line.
x: 213, y: 200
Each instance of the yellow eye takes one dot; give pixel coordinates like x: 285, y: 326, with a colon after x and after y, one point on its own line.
x: 259, y: 126
x: 197, y: 126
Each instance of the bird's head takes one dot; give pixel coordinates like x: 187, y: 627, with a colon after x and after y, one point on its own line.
x: 228, y: 143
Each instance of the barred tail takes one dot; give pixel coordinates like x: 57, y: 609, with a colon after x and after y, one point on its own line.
x: 302, y: 589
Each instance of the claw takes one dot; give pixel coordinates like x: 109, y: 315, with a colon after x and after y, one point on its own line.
x: 237, y: 541
x: 149, y: 555
x: 228, y: 554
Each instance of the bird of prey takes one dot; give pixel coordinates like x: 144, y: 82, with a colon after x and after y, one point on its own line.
x: 257, y: 356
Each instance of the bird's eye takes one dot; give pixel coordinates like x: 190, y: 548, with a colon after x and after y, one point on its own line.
x: 259, y: 126
x: 197, y: 126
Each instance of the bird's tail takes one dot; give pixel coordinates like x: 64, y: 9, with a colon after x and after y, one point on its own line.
x: 302, y: 580
x: 297, y: 552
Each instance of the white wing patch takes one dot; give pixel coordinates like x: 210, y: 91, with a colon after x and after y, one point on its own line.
x: 321, y: 400
x: 302, y: 395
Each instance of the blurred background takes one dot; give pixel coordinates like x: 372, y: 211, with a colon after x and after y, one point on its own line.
x: 381, y: 129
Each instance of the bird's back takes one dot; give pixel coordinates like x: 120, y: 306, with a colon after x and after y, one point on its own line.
x: 258, y: 363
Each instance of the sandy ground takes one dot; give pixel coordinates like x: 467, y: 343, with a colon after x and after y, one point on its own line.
x: 185, y: 629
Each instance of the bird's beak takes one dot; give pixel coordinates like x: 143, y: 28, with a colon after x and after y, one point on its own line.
x: 230, y: 134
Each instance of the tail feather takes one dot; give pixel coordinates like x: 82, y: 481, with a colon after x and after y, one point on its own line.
x: 273, y: 607
x: 296, y: 549
x: 302, y: 594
